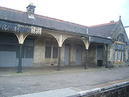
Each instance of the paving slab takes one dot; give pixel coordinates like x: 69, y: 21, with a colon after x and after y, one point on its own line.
x: 13, y: 84
x: 66, y: 92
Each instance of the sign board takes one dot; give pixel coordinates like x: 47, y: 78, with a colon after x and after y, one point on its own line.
x: 19, y: 28
x: 36, y: 30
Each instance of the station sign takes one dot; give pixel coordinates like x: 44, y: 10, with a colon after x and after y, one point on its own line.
x: 19, y: 28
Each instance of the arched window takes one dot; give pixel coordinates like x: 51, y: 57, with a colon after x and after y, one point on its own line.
x: 119, y: 48
x: 121, y: 38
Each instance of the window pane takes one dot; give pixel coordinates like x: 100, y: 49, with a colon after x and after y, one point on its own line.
x: 55, y: 52
x: 8, y: 48
x: 48, y: 52
x: 27, y: 52
x: 115, y: 55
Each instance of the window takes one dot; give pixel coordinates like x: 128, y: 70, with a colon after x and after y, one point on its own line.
x: 55, y: 52
x: 120, y: 48
x: 119, y: 52
x: 120, y: 38
x: 27, y: 52
x: 51, y: 52
x: 27, y: 49
x: 51, y: 49
x: 48, y: 52
x: 8, y: 48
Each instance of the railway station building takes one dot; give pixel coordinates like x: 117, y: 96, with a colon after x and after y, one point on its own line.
x: 31, y: 40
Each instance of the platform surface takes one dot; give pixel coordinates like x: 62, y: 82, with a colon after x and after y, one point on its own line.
x: 66, y: 92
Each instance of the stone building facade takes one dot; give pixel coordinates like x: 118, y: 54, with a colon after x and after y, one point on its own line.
x: 31, y: 40
x: 118, y: 49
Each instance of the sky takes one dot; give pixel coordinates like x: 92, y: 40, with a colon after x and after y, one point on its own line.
x: 84, y: 12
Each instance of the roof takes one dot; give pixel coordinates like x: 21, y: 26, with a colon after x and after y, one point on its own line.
x: 102, y: 30
x: 42, y: 21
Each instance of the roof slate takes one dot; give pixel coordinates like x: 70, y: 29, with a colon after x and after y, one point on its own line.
x: 103, y: 30
x: 22, y: 17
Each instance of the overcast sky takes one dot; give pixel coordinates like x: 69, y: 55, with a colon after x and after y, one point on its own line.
x: 85, y: 12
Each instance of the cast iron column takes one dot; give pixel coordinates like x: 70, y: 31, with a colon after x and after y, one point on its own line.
x: 19, y: 68
x: 59, y: 55
x: 85, y: 65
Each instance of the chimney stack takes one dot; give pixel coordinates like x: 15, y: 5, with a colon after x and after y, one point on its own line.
x: 30, y: 10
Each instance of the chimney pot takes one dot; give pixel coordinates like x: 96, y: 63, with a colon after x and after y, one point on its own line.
x: 30, y: 10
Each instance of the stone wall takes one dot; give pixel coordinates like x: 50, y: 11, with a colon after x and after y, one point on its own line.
x: 39, y: 54
x: 75, y: 54
x: 92, y: 61
x: 112, y: 55
x: 38, y: 51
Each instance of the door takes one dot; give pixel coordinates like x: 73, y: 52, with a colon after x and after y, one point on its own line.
x: 100, y: 55
x: 78, y: 55
x: 67, y: 54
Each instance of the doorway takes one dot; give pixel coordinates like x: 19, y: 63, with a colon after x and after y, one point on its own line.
x: 99, y: 55
x: 78, y: 54
x: 67, y: 54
